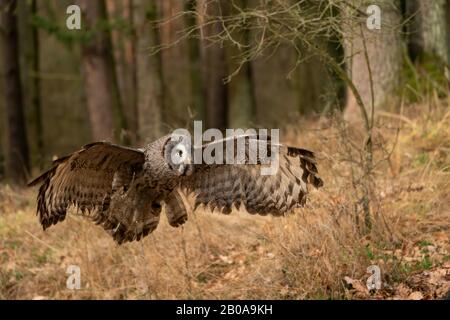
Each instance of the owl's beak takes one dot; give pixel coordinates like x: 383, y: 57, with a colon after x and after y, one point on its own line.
x: 185, y: 167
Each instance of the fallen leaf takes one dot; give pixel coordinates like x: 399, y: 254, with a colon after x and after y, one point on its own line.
x: 357, y: 285
x: 416, y: 295
x: 403, y: 291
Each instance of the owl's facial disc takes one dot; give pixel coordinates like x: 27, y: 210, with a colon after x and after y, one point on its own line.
x: 180, y: 159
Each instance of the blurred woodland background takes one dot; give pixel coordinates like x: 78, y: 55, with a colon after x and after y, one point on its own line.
x: 372, y: 103
x: 138, y: 69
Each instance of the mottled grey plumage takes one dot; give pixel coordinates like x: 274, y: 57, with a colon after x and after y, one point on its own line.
x: 123, y: 189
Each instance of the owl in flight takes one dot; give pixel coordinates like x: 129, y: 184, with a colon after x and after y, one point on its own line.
x: 124, y: 189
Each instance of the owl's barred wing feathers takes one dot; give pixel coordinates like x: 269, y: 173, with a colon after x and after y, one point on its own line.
x: 87, y: 179
x: 222, y: 186
x: 109, y: 184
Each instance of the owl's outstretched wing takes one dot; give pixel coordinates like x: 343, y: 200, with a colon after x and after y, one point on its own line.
x: 90, y: 179
x: 224, y: 185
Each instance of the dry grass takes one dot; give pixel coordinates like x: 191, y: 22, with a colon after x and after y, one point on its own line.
x: 304, y: 255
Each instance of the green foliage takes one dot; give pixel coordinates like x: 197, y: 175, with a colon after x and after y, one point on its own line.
x: 369, y: 253
x: 426, y: 263
x: 425, y: 243
x: 402, y: 270
x: 12, y: 244
x: 18, y: 275
x: 424, y: 77
x: 43, y: 257
x: 421, y: 159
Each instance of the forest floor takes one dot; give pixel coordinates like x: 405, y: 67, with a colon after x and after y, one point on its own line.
x: 317, y: 253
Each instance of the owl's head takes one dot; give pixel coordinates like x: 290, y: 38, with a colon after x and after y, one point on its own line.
x: 178, y: 154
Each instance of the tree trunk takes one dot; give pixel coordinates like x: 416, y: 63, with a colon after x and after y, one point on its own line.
x: 123, y: 48
x: 427, y: 44
x: 36, y: 90
x: 195, y: 65
x: 149, y: 77
x: 319, y: 88
x: 242, y: 100
x: 275, y: 87
x: 315, y: 86
x: 427, y: 29
x: 102, y: 94
x: 175, y: 64
x: 130, y: 72
x: 447, y: 14
x: 29, y: 44
x: 272, y: 71
x: 384, y: 50
x: 17, y: 158
x: 214, y: 68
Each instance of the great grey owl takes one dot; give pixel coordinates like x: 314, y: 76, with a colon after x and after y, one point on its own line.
x: 123, y: 189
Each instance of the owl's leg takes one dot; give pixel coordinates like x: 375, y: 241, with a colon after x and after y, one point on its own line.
x: 175, y: 209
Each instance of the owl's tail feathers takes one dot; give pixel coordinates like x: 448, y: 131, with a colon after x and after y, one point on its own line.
x: 308, y: 164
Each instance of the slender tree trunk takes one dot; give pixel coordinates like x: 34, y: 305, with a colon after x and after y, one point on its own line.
x: 130, y: 60
x: 17, y: 158
x: 315, y: 87
x: 275, y: 87
x: 178, y: 98
x: 31, y: 84
x: 318, y: 87
x: 242, y: 100
x: 123, y: 135
x: 384, y: 50
x: 150, y: 100
x: 123, y: 53
x: 241, y: 90
x: 214, y: 68
x: 195, y: 65
x: 272, y: 72
x: 36, y: 89
x: 447, y: 14
x: 98, y: 72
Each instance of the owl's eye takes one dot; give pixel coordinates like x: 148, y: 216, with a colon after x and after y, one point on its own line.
x: 178, y: 154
